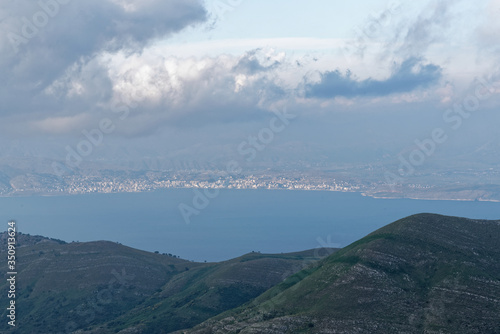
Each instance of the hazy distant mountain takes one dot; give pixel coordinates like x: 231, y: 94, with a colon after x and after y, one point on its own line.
x: 106, y: 287
x: 422, y: 274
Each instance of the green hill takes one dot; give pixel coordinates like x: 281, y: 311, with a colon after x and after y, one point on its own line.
x: 422, y: 274
x: 104, y: 287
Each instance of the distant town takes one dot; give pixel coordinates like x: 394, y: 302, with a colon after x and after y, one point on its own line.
x: 151, y: 181
x: 438, y: 186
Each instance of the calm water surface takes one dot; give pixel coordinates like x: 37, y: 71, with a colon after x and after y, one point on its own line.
x: 234, y: 223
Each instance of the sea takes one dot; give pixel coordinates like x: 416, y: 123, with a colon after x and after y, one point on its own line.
x: 226, y: 224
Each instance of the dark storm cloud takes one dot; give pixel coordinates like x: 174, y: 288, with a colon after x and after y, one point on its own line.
x: 78, y: 28
x: 41, y: 40
x: 408, y: 76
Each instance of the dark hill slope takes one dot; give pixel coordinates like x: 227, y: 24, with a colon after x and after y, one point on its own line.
x: 422, y: 274
x: 105, y: 287
x: 196, y: 295
x: 61, y: 287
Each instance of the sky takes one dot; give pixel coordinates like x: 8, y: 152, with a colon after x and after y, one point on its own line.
x: 312, y: 81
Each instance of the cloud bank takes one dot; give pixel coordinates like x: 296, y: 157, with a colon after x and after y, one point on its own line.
x: 66, y: 65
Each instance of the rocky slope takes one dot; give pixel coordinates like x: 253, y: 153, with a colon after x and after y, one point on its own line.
x: 422, y: 274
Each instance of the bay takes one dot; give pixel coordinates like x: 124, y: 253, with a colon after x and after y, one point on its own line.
x: 233, y: 223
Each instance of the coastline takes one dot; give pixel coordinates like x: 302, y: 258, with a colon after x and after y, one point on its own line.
x: 361, y: 192
x: 432, y: 199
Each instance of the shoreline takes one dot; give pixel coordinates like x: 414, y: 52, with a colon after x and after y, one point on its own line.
x: 434, y: 199
x: 362, y: 193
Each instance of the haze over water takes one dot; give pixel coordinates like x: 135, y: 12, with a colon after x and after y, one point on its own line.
x: 234, y: 223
